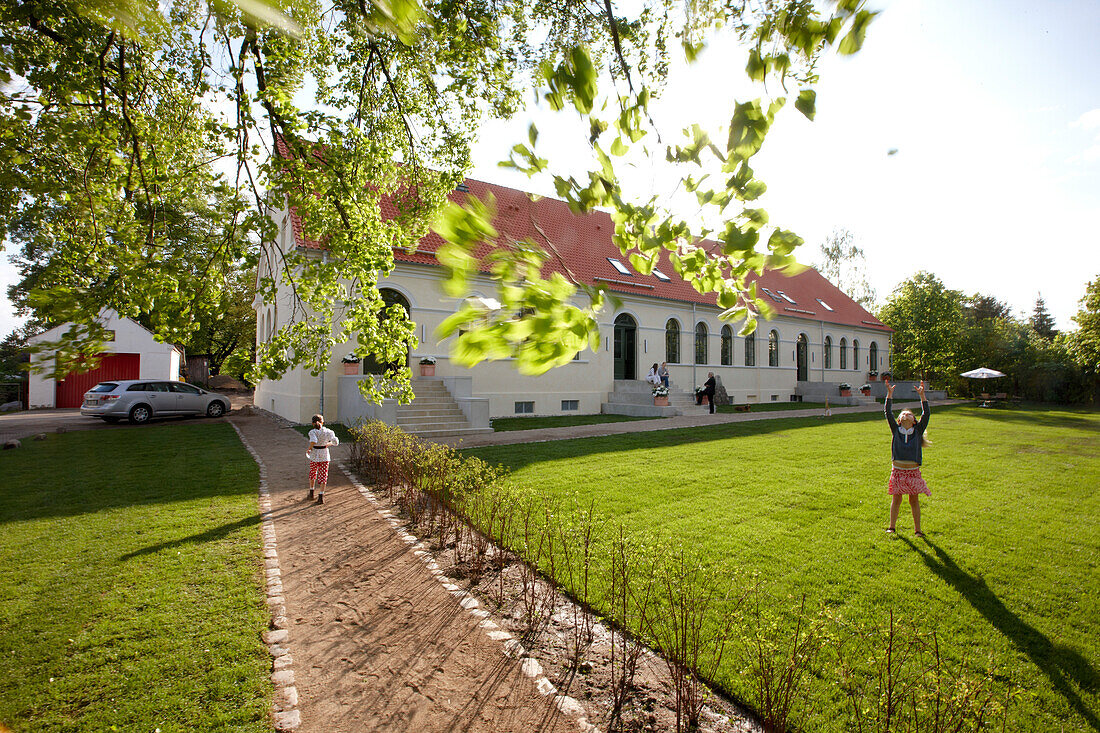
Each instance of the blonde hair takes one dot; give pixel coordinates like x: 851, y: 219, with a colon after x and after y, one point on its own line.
x: 924, y: 441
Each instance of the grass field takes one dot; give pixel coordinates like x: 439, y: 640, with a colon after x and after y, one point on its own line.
x: 1009, y: 576
x: 505, y: 424
x: 130, y: 586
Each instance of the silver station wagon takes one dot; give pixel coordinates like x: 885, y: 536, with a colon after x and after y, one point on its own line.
x: 140, y: 400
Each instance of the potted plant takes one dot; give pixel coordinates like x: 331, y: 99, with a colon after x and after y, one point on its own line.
x: 845, y: 389
x: 865, y: 389
x: 872, y: 376
x: 427, y: 366
x: 660, y: 395
x: 351, y: 364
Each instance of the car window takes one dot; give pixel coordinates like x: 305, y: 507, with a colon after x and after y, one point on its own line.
x: 184, y: 388
x: 104, y: 387
x: 158, y: 387
x: 139, y: 387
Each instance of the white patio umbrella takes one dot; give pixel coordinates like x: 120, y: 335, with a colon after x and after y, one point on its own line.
x: 982, y: 373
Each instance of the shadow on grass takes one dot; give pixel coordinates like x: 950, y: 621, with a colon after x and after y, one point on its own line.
x: 1054, y: 416
x: 1060, y: 664
x: 213, y: 534
x: 100, y: 470
x: 519, y: 455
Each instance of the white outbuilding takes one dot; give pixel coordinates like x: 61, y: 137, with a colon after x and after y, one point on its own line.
x: 132, y: 353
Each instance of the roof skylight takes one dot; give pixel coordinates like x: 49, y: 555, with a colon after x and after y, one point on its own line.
x: 661, y: 276
x: 619, y: 266
x: 826, y: 305
x: 775, y: 297
x: 786, y: 297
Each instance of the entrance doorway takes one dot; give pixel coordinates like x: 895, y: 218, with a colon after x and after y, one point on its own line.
x: 371, y: 365
x: 626, y: 330
x: 801, y: 353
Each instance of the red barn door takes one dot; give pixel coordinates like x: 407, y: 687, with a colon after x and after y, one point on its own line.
x: 71, y: 389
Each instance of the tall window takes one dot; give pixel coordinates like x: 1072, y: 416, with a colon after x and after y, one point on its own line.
x: 773, y: 348
x: 750, y: 349
x: 855, y: 354
x: 727, y: 346
x: 844, y: 353
x: 872, y: 355
x: 700, y: 343
x: 827, y: 352
x: 672, y: 341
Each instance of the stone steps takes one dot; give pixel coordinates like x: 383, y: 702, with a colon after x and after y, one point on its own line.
x: 434, y: 413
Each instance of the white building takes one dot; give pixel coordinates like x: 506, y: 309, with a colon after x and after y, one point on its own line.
x: 819, y: 337
x: 132, y: 353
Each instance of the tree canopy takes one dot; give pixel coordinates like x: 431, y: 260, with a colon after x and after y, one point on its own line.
x: 927, y: 319
x: 137, y: 145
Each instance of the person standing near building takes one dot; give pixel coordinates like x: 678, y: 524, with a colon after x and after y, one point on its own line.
x: 320, y: 440
x: 709, y: 388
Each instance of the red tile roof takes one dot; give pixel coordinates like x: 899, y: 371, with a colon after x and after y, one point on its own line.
x: 579, y: 247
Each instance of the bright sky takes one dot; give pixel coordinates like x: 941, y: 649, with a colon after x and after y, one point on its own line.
x: 993, y: 107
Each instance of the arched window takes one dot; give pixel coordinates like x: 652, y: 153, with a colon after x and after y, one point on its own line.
x: 855, y: 353
x: 727, y: 346
x: 672, y: 341
x: 390, y: 297
x: 700, y: 343
x: 872, y: 355
x: 827, y: 352
x: 773, y: 348
x: 844, y: 353
x: 750, y: 349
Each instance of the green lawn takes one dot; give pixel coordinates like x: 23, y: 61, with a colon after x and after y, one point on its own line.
x: 1009, y: 576
x: 776, y: 406
x: 505, y: 424
x: 131, y: 593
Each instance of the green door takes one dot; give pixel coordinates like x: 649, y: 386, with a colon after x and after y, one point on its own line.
x: 625, y: 347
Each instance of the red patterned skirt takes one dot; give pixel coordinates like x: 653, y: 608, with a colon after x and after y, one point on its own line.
x: 906, y: 481
x: 318, y: 472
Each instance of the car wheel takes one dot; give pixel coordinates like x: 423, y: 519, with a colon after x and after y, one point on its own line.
x: 110, y: 420
x: 215, y: 409
x: 141, y: 414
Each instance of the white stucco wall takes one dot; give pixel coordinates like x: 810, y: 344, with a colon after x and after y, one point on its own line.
x: 590, y: 378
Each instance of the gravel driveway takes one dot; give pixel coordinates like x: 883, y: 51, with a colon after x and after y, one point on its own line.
x: 24, y: 424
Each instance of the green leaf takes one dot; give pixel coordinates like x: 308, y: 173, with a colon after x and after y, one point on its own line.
x: 807, y: 103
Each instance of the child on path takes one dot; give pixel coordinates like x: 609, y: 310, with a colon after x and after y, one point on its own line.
x: 320, y: 438
x: 905, y: 453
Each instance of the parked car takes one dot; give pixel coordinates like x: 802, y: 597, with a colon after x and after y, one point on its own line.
x: 140, y: 400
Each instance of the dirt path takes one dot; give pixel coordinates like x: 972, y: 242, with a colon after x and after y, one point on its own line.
x: 377, y: 644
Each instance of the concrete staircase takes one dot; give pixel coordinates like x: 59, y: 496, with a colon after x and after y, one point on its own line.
x: 434, y: 412
x: 684, y: 402
x: 635, y: 398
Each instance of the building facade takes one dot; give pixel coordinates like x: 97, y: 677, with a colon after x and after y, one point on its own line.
x: 817, y: 336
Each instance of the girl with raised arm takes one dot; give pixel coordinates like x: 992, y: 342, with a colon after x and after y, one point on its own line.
x: 905, y: 454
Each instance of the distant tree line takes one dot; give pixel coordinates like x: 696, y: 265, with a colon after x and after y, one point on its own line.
x: 940, y: 333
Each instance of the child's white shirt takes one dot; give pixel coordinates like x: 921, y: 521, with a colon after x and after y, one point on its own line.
x: 321, y: 435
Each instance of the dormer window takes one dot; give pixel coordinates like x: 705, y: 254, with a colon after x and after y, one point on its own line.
x: 661, y: 276
x: 618, y: 266
x: 824, y: 305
